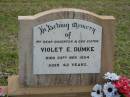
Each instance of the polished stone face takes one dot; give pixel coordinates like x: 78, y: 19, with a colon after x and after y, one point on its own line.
x: 67, y: 46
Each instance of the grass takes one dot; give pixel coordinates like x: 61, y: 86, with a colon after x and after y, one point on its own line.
x: 11, y: 9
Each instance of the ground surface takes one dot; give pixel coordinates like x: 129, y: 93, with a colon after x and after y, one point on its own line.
x: 11, y: 9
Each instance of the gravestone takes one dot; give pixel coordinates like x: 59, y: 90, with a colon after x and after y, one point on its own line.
x: 65, y: 47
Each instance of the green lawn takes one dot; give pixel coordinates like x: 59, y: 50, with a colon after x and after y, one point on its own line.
x: 11, y: 9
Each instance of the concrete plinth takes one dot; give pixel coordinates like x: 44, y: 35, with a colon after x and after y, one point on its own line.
x: 17, y: 90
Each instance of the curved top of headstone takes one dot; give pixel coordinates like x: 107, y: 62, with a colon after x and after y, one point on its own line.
x: 59, y: 10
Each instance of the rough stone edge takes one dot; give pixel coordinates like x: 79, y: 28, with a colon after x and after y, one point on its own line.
x: 61, y: 10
